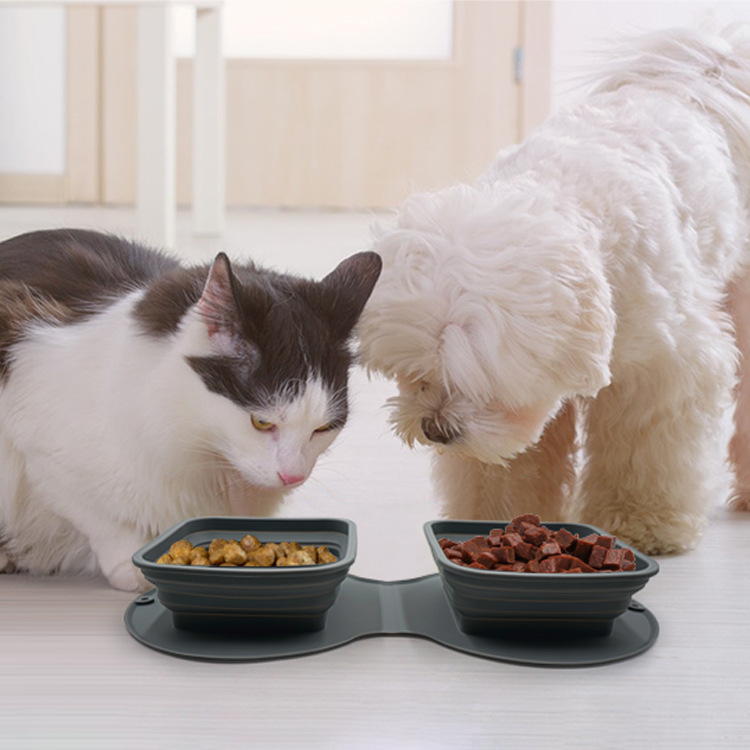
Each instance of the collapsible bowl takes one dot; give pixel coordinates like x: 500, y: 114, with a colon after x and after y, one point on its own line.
x: 495, y: 602
x: 251, y: 599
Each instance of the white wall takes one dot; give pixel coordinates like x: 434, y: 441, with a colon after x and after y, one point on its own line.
x: 580, y: 28
x: 32, y: 90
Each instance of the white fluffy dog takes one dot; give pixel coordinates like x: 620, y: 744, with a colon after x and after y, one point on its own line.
x: 591, y: 283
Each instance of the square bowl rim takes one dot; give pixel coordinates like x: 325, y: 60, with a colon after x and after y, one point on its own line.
x: 651, y: 569
x: 139, y: 557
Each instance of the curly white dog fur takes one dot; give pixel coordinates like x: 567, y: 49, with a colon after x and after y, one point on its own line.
x: 591, y: 282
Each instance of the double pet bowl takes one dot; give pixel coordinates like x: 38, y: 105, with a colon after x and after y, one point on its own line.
x: 251, y: 613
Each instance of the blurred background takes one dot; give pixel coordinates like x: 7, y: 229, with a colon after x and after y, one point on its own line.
x: 339, y: 104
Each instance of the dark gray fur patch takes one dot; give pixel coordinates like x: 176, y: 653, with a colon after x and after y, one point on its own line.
x: 63, y: 276
x: 287, y: 330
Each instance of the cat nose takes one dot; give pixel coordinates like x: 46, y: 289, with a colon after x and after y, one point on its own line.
x: 438, y: 432
x: 289, y: 479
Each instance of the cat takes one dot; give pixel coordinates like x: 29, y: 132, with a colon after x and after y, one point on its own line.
x: 136, y: 392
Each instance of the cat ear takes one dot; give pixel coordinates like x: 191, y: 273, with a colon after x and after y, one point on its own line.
x: 349, y: 286
x: 217, y: 305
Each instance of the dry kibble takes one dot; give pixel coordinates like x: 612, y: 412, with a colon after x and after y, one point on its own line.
x: 300, y: 557
x: 198, y: 553
x: 264, y: 557
x: 248, y: 552
x: 234, y: 554
x: 183, y: 548
x: 216, y: 551
x: 325, y: 555
x: 286, y: 548
x: 250, y: 543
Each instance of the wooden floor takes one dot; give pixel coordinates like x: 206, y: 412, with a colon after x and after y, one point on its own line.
x: 72, y: 677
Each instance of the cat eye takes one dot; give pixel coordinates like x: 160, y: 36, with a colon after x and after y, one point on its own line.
x: 324, y: 428
x: 261, y: 424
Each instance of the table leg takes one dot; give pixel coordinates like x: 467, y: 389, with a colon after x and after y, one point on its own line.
x: 208, y: 124
x: 156, y: 188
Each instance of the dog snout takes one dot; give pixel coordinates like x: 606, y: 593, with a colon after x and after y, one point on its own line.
x: 438, y: 432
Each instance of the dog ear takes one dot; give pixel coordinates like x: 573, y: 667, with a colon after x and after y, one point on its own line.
x: 584, y: 365
x: 464, y: 364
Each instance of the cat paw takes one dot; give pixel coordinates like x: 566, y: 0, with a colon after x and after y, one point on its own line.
x: 7, y: 565
x: 126, y: 577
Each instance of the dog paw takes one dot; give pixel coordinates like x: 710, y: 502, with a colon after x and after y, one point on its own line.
x: 7, y: 564
x: 740, y: 501
x: 126, y: 577
x: 663, y: 535
x: 652, y: 546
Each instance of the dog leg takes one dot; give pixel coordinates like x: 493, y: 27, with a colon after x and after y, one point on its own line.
x: 656, y: 446
x: 538, y: 480
x: 739, y: 448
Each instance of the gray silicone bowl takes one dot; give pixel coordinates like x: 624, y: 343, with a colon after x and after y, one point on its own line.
x: 488, y: 602
x: 272, y: 599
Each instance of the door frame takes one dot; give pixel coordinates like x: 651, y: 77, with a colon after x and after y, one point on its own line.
x: 97, y: 37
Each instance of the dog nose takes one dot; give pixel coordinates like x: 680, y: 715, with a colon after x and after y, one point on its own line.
x: 437, y: 433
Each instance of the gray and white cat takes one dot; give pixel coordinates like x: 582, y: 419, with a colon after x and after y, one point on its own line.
x: 136, y: 392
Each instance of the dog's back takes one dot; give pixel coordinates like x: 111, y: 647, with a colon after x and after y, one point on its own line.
x: 711, y: 69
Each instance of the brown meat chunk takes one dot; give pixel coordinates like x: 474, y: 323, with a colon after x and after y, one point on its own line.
x: 470, y: 551
x: 535, y: 535
x: 486, y: 560
x: 505, y: 555
x: 596, y: 558
x: 584, y: 546
x: 613, y: 559
x: 532, y: 566
x: 496, y: 537
x: 565, y: 539
x: 525, y: 551
x: 550, y: 547
x: 560, y: 563
x: 527, y: 518
x: 512, y: 539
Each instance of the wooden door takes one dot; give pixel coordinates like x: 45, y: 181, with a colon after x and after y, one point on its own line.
x: 335, y: 133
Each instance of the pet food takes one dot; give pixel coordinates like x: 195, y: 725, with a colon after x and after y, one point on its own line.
x: 526, y: 546
x: 246, y: 553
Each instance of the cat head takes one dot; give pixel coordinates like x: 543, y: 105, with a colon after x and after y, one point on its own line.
x: 271, y: 353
